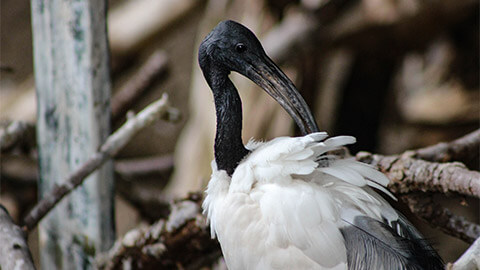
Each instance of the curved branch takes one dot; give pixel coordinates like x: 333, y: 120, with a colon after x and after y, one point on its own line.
x: 113, y: 144
x: 152, y: 70
x: 141, y: 167
x: 462, y: 149
x: 408, y: 175
x: 439, y: 216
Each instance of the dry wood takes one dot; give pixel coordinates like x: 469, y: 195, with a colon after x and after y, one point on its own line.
x: 153, y: 69
x: 427, y: 92
x: 133, y: 23
x: 140, y: 167
x: 113, y: 144
x: 72, y: 82
x: 439, y: 216
x: 284, y: 40
x: 465, y: 148
x: 355, y: 24
x: 150, y: 203
x: 180, y: 242
x: 14, y: 252
x: 24, y: 169
x: 19, y: 169
x: 408, y: 174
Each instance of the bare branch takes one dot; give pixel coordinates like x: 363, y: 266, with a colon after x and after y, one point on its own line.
x: 12, y: 133
x: 463, y: 149
x: 407, y: 174
x: 144, y: 199
x: 14, y: 252
x: 292, y: 34
x: 181, y: 242
x: 113, y: 144
x: 140, y: 167
x: 149, y: 72
x: 439, y: 216
x: 24, y: 169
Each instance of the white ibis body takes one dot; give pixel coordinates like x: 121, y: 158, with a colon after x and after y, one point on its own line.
x: 287, y: 204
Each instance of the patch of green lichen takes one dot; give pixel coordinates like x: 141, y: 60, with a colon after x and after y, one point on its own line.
x: 58, y: 255
x: 88, y: 247
x: 78, y: 32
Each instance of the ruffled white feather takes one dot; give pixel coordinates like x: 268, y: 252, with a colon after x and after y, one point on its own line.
x: 280, y: 210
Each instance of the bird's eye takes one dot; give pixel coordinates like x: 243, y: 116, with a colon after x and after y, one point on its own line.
x: 240, y: 47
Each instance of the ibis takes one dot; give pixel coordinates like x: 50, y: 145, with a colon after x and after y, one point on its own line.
x: 289, y: 203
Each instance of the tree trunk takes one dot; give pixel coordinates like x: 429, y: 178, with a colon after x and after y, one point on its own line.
x: 73, y: 116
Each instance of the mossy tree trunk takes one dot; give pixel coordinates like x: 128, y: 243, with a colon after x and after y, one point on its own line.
x: 73, y: 94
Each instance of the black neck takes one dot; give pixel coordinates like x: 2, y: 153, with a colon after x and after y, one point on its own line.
x: 229, y: 148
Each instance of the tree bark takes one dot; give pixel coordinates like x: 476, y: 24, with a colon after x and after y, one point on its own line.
x: 14, y: 252
x: 71, y: 62
x: 113, y: 144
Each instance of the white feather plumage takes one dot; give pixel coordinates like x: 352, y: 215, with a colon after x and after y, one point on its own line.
x: 279, y: 210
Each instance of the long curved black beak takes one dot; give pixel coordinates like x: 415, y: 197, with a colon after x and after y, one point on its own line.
x: 266, y: 74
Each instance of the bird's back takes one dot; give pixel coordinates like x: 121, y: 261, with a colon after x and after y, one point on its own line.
x: 289, y: 205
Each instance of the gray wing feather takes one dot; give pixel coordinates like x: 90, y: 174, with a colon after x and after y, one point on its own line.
x: 372, y: 244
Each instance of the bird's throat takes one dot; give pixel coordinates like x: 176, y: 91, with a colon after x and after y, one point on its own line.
x: 229, y: 148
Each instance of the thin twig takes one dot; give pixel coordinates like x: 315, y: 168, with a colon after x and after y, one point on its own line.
x: 141, y: 167
x: 14, y: 252
x: 462, y: 149
x: 24, y: 170
x: 113, y: 144
x: 144, y: 199
x: 153, y: 69
x: 439, y: 216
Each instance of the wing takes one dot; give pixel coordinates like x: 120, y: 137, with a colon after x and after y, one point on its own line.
x: 276, y: 161
x: 284, y: 157
x: 372, y: 244
x: 388, y: 242
x: 328, y: 213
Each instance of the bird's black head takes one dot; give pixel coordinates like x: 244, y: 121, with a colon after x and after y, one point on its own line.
x: 231, y: 46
